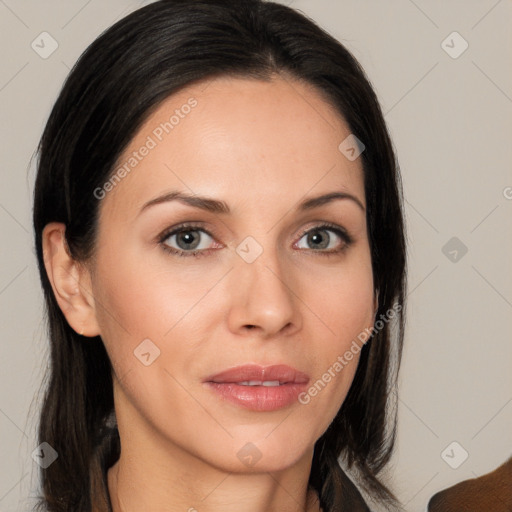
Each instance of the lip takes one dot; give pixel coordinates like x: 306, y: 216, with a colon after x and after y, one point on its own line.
x: 259, y: 398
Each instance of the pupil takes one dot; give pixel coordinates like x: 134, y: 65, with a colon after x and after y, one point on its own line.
x: 317, y: 240
x: 188, y: 239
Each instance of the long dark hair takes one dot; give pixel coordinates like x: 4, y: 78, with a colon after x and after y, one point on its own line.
x: 116, y: 84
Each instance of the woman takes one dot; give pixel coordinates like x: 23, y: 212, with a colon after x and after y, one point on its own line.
x: 220, y: 239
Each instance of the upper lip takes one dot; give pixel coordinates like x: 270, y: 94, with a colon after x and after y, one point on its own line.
x: 283, y: 373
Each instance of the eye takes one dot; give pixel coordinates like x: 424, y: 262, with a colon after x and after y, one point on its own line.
x: 192, y: 240
x: 319, y: 239
x: 187, y: 240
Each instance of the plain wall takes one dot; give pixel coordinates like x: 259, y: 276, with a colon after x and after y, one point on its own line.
x: 451, y: 123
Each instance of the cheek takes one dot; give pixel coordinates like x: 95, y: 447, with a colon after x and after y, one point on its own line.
x: 144, y: 296
x: 343, y: 314
x: 148, y: 305
x: 149, y: 326
x: 342, y: 299
x: 138, y: 299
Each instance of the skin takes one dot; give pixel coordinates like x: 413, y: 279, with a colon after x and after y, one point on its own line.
x: 261, y: 147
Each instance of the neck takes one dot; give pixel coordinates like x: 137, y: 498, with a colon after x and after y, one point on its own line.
x: 134, y: 487
x: 154, y: 473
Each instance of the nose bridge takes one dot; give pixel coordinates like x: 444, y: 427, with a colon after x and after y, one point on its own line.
x: 263, y: 296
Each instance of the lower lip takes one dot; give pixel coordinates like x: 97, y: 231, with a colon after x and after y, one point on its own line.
x: 259, y: 398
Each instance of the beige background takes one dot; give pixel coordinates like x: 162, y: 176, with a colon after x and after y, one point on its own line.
x: 451, y: 122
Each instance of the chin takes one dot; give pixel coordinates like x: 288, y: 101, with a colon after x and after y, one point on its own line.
x: 258, y: 454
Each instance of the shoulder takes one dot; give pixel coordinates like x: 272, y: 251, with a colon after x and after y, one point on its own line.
x: 492, y: 491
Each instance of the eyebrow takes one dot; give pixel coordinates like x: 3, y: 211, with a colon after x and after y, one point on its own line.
x: 217, y: 206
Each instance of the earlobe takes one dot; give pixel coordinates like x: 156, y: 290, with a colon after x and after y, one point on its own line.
x: 70, y: 281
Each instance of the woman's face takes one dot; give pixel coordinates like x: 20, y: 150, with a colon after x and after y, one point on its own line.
x: 259, y: 280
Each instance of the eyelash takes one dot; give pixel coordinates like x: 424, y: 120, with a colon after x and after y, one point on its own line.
x: 204, y: 252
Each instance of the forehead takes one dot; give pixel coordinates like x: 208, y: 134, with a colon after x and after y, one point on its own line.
x: 239, y: 139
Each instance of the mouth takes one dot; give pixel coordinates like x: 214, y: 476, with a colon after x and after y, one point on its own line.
x: 259, y: 388
x: 267, y: 383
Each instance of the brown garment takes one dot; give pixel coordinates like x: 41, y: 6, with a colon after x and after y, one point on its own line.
x: 491, y: 492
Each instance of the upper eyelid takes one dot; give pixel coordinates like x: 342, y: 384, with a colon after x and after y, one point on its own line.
x: 187, y: 226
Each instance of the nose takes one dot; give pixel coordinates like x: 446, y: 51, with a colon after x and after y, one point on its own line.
x: 263, y: 299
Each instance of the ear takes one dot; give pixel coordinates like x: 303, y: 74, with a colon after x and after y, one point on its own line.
x: 70, y: 280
